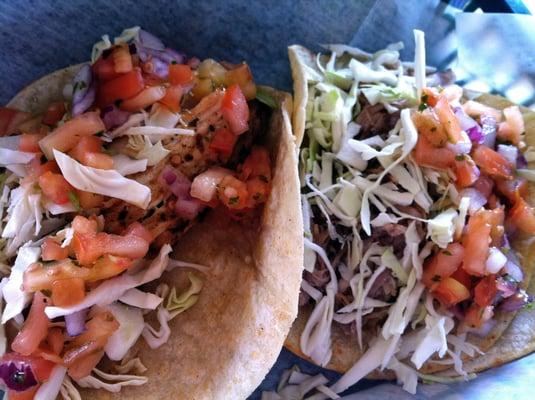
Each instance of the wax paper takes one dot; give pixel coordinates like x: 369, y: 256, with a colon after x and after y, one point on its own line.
x: 487, y: 52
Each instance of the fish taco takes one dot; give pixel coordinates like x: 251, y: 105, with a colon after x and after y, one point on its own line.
x: 151, y: 233
x: 417, y: 203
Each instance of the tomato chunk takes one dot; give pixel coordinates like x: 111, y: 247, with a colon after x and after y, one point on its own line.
x: 89, y: 200
x: 512, y: 189
x: 36, y: 169
x: 233, y: 193
x: 257, y: 165
x: 476, y: 316
x: 35, y: 327
x: 104, y: 69
x: 492, y: 163
x: 54, y: 113
x: 89, y: 248
x: 242, y: 76
x: 443, y: 264
x: 466, y: 172
x: 29, y: 142
x: 450, y: 292
x: 462, y: 277
x: 27, y: 394
x: 476, y: 244
x: 258, y: 190
x: 429, y: 126
x: 180, y: 74
x: 52, y: 250
x: 55, y: 187
x: 522, y: 216
x: 223, y: 142
x: 144, y: 98
x: 68, y: 292
x: 485, y: 291
x: 172, y: 98
x: 121, y: 88
x: 513, y: 127
x: 235, y: 110
x: 427, y: 155
x: 448, y: 119
x: 122, y: 60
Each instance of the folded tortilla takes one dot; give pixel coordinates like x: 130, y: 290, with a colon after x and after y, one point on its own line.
x: 345, y: 349
x: 222, y: 347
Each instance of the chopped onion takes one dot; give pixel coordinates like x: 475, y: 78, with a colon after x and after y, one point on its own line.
x: 488, y: 129
x: 22, y: 371
x: 84, y: 90
x: 495, y: 261
x: 188, y: 208
x: 75, y: 322
x: 477, y: 200
x: 521, y: 161
x: 469, y: 125
x: 507, y: 287
x: 475, y: 134
x: 150, y: 41
x: 516, y: 301
x: 513, y: 269
x: 114, y: 117
x: 509, y: 152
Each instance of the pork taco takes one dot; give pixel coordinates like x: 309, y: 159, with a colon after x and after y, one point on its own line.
x: 150, y: 227
x: 416, y: 199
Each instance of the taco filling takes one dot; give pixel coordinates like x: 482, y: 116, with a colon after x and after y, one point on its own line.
x: 96, y: 189
x: 412, y: 195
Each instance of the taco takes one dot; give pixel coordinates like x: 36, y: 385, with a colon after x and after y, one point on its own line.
x: 150, y: 207
x: 416, y: 203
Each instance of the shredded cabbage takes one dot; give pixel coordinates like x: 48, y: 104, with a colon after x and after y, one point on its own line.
x: 419, y: 61
x: 137, y: 298
x: 127, y: 166
x: 389, y: 260
x: 51, y: 387
x: 432, y: 339
x: 16, y: 299
x: 115, y: 382
x: 131, y: 325
x: 441, y: 228
x: 178, y: 304
x: 153, y: 153
x: 8, y: 157
x: 112, y: 289
x: 105, y: 182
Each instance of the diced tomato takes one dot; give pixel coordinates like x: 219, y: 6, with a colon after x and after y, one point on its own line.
x: 172, y: 98
x: 443, y: 264
x: 36, y: 169
x: 54, y: 113
x: 462, y: 277
x: 512, y: 189
x: 52, y: 250
x: 495, y: 218
x: 466, y: 172
x: 55, y: 340
x: 84, y: 225
x: 86, y: 144
x: 122, y: 60
x: 522, y: 216
x: 83, y: 366
x: 29, y: 142
x: 513, y: 127
x: 476, y: 244
x: 136, y: 229
x: 429, y: 126
x: 491, y: 162
x: 89, y: 248
x: 257, y: 164
x: 205, y: 185
x: 235, y: 110
x: 123, y: 87
x: 27, y: 394
x: 143, y: 99
x: 66, y: 136
x: 476, y: 316
x: 241, y: 75
x: 431, y: 96
x: 484, y: 185
x: 55, y: 187
x: 68, y: 292
x: 39, y: 277
x: 89, y: 200
x: 485, y: 291
x: 233, y: 193
x: 475, y: 109
x: 223, y: 142
x: 448, y: 119
x: 10, y: 119
x: 41, y: 368
x: 258, y: 191
x: 180, y: 74
x: 98, y: 160
x: 104, y: 69
x: 35, y: 327
x: 427, y: 155
x: 450, y: 292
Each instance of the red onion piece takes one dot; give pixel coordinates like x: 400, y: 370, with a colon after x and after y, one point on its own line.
x: 521, y: 161
x: 86, y: 103
x: 509, y: 152
x: 516, y: 301
x: 75, y: 323
x: 465, y: 120
x: 114, y: 117
x: 484, y: 185
x: 188, y: 208
x: 477, y: 199
x: 507, y: 287
x: 169, y: 176
x: 81, y: 83
x: 149, y: 41
x: 194, y: 62
x: 484, y: 330
x: 488, y: 128
x: 17, y: 375
x: 475, y: 134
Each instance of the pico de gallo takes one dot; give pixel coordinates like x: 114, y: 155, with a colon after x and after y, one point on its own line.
x: 412, y: 195
x: 96, y: 188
